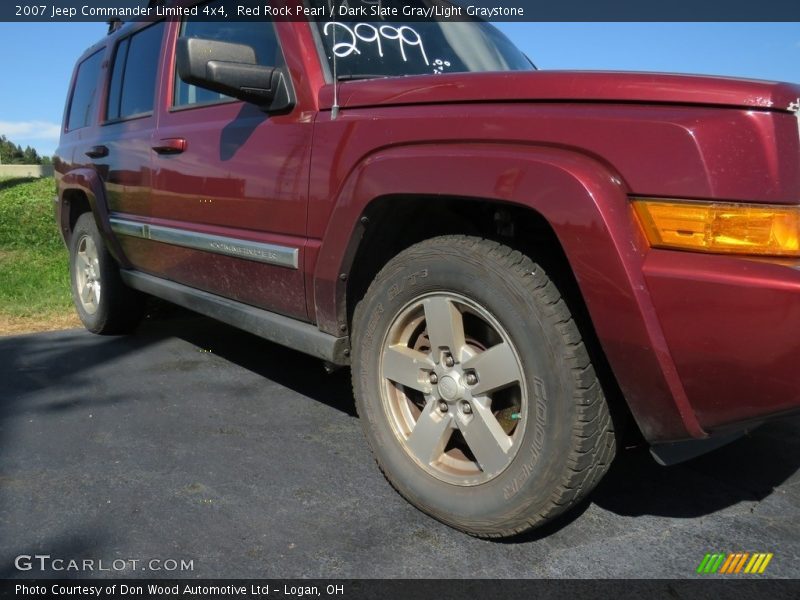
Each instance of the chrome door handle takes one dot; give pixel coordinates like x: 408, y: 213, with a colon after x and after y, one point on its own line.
x: 170, y: 146
x: 97, y: 152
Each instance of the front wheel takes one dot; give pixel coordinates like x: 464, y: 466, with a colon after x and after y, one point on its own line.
x: 104, y: 303
x: 475, y: 390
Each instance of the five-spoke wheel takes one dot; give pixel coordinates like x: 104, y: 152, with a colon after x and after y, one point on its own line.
x: 87, y: 274
x: 104, y: 303
x: 476, y: 393
x: 453, y: 388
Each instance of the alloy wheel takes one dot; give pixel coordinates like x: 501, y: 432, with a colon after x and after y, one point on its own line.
x: 453, y: 388
x: 87, y: 274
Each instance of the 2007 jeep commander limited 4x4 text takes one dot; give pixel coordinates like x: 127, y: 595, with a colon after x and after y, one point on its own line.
x: 511, y: 261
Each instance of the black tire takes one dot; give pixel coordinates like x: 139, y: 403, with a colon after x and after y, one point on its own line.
x: 563, y: 441
x: 108, y: 306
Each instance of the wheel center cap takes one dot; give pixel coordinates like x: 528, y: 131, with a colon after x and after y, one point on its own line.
x: 449, y: 388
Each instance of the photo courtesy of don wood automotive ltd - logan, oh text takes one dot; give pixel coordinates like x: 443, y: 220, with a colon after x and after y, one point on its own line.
x: 399, y: 299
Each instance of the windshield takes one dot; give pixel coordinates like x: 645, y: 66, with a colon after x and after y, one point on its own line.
x: 378, y: 48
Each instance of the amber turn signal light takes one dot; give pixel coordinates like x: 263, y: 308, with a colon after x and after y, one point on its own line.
x: 725, y: 228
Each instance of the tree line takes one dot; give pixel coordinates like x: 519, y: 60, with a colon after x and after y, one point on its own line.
x: 14, y: 154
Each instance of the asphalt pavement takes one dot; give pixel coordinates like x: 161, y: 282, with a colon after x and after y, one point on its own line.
x: 194, y: 442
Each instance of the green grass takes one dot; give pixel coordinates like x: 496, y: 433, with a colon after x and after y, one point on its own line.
x: 34, y: 271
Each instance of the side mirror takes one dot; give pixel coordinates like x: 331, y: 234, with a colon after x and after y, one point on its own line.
x: 231, y: 69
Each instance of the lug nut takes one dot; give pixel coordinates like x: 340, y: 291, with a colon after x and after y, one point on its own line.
x: 472, y: 379
x: 466, y: 408
x: 443, y: 406
x: 433, y: 378
x: 448, y: 361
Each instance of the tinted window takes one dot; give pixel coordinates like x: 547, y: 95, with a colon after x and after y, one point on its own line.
x: 259, y: 35
x: 84, y: 95
x: 133, y: 78
x: 112, y: 111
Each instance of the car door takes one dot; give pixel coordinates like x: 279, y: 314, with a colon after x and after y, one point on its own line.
x: 122, y: 152
x: 229, y: 184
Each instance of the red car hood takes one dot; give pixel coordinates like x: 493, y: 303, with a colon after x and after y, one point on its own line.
x: 566, y: 86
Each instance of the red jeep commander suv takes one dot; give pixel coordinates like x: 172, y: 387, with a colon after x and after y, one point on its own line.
x: 509, y: 260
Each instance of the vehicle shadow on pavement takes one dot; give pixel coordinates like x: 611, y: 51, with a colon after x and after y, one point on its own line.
x: 291, y: 369
x: 743, y: 473
x: 93, y: 458
x: 70, y: 544
x: 64, y: 363
x: 747, y: 470
x: 30, y: 363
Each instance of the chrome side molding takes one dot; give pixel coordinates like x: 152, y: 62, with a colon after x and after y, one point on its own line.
x: 271, y: 254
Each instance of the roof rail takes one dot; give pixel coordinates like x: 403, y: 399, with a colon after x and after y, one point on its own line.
x: 114, y: 23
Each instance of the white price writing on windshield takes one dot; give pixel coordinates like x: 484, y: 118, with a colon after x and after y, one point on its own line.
x: 404, y: 35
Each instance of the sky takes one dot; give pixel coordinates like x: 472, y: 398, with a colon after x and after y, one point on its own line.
x: 40, y: 58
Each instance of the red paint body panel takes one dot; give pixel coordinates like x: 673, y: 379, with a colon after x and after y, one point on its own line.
x: 572, y: 86
x: 267, y: 285
x: 696, y: 342
x: 731, y: 325
x: 244, y: 171
x: 589, y: 212
x: 679, y: 151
